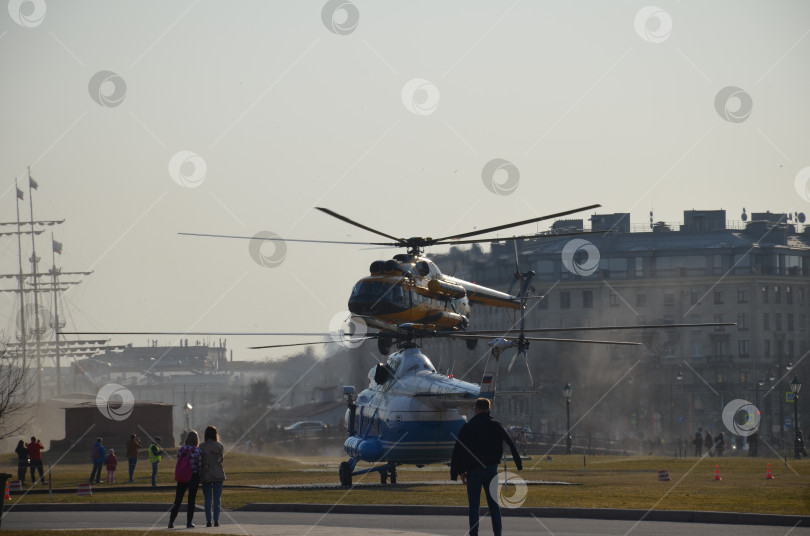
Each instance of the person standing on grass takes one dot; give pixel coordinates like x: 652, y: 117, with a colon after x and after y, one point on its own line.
x: 476, y: 455
x: 709, y: 442
x: 99, y: 455
x: 132, y: 455
x: 112, y: 465
x: 187, y: 454
x: 35, y: 448
x: 22, y: 461
x: 155, y: 454
x: 213, y: 475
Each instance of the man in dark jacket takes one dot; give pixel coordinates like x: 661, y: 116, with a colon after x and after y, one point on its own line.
x: 478, y: 451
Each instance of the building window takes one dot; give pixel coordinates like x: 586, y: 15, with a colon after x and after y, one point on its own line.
x: 587, y: 299
x: 802, y: 320
x: 718, y: 318
x: 613, y: 299
x: 695, y: 296
x: 790, y: 349
x: 777, y: 295
x: 766, y: 321
x: 565, y: 299
x: 778, y: 318
x: 764, y: 294
x: 719, y: 376
x: 718, y: 297
x: 741, y: 296
x: 741, y: 322
x: 639, y: 267
x: 788, y: 295
x: 719, y: 349
x: 801, y: 296
x: 767, y: 347
x: 745, y: 376
x: 669, y: 298
x: 743, y: 347
x: 780, y: 349
x: 697, y: 349
x: 641, y: 300
x: 790, y: 321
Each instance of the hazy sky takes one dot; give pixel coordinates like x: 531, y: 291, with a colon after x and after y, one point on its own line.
x: 143, y: 119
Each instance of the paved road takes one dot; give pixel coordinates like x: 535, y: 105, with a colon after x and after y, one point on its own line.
x: 298, y: 523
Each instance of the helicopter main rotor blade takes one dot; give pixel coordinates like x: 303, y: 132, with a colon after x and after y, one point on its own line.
x: 310, y: 343
x: 515, y: 224
x: 495, y: 332
x: 334, y: 214
x: 196, y: 333
x: 516, y: 238
x: 544, y: 339
x: 280, y: 239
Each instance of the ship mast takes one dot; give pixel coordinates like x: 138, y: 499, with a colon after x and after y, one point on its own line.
x: 19, y: 258
x: 32, y: 185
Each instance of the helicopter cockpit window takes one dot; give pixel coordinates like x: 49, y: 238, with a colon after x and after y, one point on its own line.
x: 393, y: 364
x: 397, y: 296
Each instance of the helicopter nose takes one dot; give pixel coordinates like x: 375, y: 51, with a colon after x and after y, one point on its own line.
x: 361, y: 307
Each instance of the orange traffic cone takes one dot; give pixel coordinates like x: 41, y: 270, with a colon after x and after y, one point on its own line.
x: 717, y: 472
x: 769, y: 476
x: 663, y: 476
x: 8, y: 496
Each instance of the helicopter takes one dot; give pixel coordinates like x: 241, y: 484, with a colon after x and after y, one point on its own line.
x: 408, y: 295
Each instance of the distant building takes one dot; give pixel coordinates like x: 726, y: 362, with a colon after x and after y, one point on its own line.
x: 114, y: 424
x: 754, y: 273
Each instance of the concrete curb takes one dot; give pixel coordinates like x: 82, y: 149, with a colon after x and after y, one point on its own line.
x: 97, y: 507
x: 680, y: 516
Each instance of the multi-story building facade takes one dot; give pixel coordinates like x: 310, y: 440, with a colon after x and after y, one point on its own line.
x: 754, y: 274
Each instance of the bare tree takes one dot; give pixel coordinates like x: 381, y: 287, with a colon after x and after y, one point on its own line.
x: 14, y: 388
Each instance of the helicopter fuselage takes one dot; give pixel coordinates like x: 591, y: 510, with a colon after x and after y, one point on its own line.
x: 412, y: 290
x: 413, y: 416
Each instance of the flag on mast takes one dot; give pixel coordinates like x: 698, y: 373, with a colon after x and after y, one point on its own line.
x: 20, y: 195
x: 32, y: 183
x: 57, y: 246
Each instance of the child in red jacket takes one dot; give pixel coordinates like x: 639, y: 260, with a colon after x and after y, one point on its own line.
x: 112, y: 465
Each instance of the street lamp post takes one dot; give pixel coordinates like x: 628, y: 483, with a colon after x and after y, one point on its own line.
x: 678, y: 377
x: 567, y: 395
x: 188, y: 407
x: 795, y: 387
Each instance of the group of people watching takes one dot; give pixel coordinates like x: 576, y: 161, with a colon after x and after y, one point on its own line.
x: 204, y: 462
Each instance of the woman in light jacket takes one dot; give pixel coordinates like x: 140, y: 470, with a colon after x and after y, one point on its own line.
x: 213, y: 475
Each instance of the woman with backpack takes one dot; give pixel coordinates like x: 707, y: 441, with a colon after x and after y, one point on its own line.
x: 213, y: 475
x: 187, y: 475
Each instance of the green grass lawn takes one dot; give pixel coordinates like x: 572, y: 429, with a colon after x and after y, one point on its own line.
x: 608, y: 482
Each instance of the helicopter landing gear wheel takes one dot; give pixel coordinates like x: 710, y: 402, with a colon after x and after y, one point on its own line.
x: 345, y: 473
